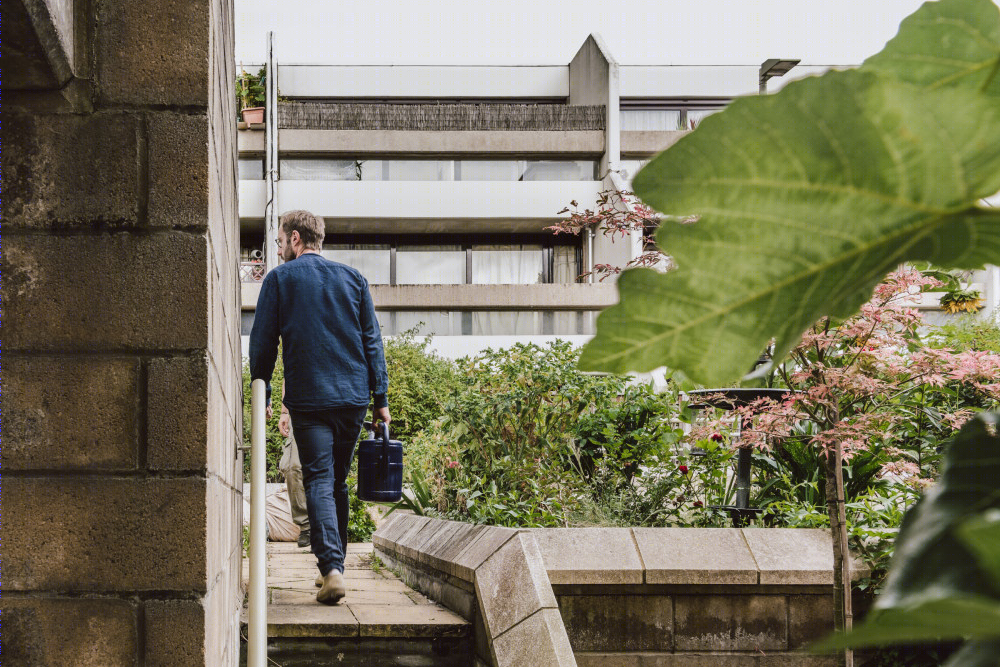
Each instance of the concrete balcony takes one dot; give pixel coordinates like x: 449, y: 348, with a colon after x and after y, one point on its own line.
x: 419, y: 206
x: 644, y: 143
x: 565, y: 143
x: 572, y: 296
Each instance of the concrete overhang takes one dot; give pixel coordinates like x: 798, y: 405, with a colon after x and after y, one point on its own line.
x: 428, y: 203
x: 428, y: 226
x: 572, y: 296
x: 643, y: 143
x: 567, y: 143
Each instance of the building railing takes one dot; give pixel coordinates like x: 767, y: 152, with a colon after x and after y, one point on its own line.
x: 252, y: 272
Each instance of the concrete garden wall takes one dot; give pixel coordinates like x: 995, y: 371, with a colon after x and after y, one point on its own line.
x: 631, y: 597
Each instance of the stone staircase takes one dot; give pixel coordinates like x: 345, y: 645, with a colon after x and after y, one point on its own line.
x: 380, y: 622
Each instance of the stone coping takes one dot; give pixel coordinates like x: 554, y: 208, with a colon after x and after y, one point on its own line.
x: 624, y: 556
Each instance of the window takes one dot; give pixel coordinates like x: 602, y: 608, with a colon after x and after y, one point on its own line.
x: 430, y: 265
x: 552, y: 170
x: 668, y: 114
x: 246, y: 322
x: 651, y: 119
x: 487, y: 322
x: 318, y: 170
x: 434, y: 170
x: 529, y: 259
x: 508, y: 265
x: 373, y: 261
x: 251, y: 169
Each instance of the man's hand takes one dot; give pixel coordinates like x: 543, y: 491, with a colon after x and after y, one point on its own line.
x: 285, y: 424
x: 268, y: 412
x: 381, y: 415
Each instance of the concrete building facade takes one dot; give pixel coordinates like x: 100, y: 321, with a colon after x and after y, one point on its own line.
x: 121, y: 384
x: 438, y: 183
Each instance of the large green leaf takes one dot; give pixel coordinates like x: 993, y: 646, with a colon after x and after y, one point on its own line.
x: 945, y: 44
x: 981, y: 536
x: 977, y: 653
x: 805, y: 200
x: 940, y: 584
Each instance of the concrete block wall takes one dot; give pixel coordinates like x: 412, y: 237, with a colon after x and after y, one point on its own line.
x: 625, y: 596
x: 122, y: 406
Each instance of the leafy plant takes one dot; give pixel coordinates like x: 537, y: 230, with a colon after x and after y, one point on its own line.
x: 962, y: 301
x: 250, y: 89
x: 944, y: 579
x: 274, y: 442
x: 417, y: 496
x: 806, y: 198
x: 420, y: 382
x: 360, y: 524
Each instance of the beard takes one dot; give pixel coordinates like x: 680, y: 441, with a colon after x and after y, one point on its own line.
x: 287, y: 253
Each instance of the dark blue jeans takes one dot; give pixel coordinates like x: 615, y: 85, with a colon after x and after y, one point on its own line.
x: 326, y: 440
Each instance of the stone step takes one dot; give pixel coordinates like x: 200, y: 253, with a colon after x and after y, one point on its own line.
x: 381, y: 621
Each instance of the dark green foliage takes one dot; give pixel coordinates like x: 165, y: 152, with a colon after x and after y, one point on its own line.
x: 944, y: 580
x: 360, y: 524
x: 419, y: 384
x: 527, y: 436
x: 250, y: 90
x: 804, y: 199
x: 274, y: 440
x: 967, y: 333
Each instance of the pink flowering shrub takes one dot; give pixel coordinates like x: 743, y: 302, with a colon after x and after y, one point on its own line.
x: 872, y: 383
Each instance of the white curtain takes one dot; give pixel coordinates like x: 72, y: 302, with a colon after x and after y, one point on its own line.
x: 489, y: 170
x: 371, y: 170
x: 430, y: 265
x: 318, y: 170
x: 565, y: 268
x: 695, y: 116
x: 429, y: 322
x: 506, y: 323
x: 507, y: 265
x: 251, y: 169
x: 418, y: 170
x: 552, y: 170
x: 371, y: 261
x: 650, y: 119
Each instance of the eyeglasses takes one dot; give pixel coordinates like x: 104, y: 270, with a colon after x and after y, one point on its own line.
x: 277, y: 242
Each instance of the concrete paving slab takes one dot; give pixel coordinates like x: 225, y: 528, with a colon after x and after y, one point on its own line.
x: 695, y: 556
x: 294, y: 612
x: 412, y: 621
x: 589, y: 555
x: 289, y: 596
x: 311, y: 620
x: 792, y: 555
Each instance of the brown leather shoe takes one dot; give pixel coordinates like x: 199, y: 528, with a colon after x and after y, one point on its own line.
x: 333, y: 589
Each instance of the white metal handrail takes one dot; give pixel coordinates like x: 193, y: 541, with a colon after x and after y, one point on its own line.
x: 257, y: 635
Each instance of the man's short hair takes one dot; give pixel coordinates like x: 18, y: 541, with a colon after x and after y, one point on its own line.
x: 311, y: 228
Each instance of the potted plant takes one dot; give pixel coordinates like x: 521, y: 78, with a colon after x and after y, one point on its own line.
x: 250, y: 94
x: 962, y: 300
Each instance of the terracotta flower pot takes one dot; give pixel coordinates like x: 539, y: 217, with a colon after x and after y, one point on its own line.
x: 253, y: 115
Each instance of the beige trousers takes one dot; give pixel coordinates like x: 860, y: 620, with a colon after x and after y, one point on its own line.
x: 291, y: 468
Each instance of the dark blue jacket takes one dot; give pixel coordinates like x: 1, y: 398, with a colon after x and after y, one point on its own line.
x: 331, y: 343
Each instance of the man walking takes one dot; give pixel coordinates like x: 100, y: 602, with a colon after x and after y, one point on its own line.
x: 334, y: 366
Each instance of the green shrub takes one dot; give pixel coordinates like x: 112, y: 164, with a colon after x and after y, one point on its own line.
x: 420, y: 382
x: 521, y: 439
x: 967, y: 333
x: 275, y: 442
